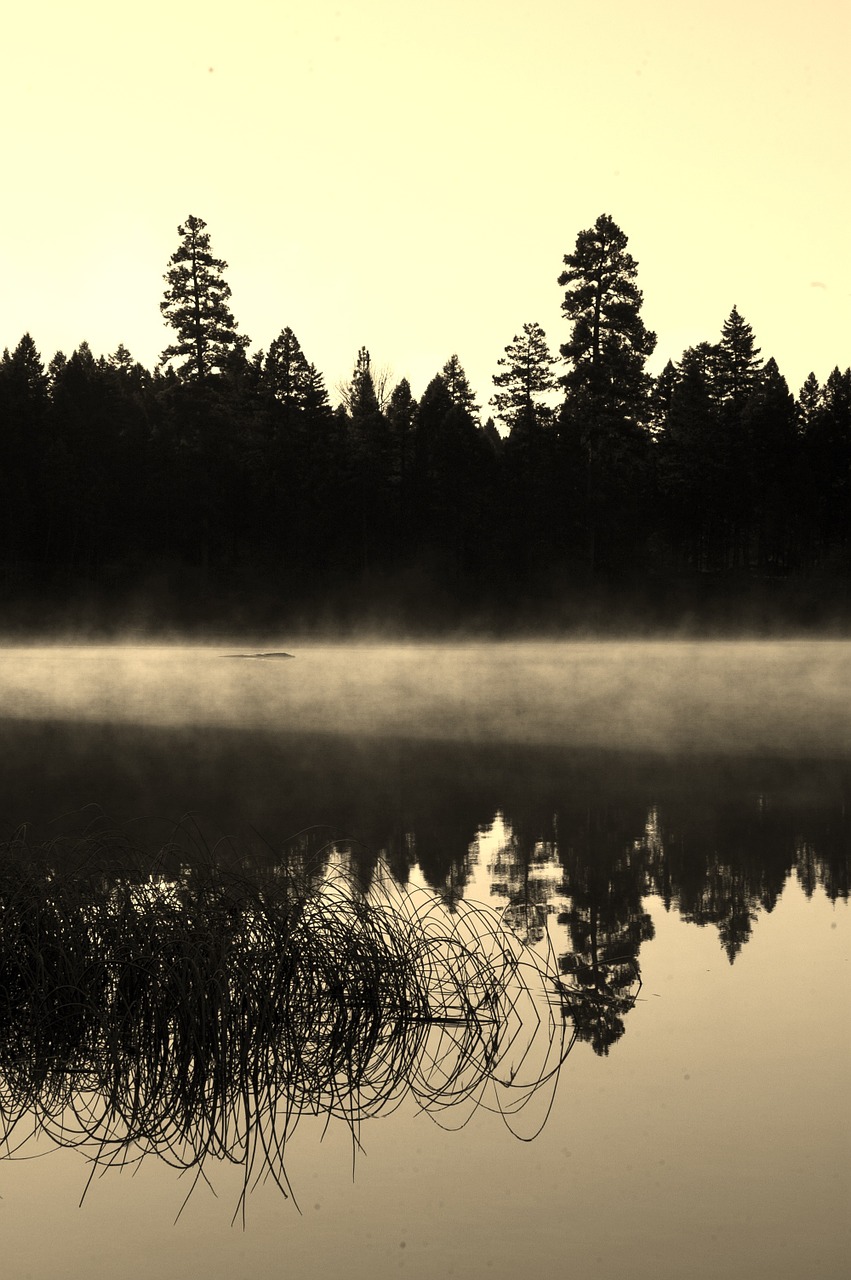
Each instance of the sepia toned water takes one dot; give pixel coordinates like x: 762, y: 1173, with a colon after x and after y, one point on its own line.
x: 669, y: 818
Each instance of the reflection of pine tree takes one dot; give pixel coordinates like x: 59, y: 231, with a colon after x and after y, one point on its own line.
x: 828, y: 866
x: 722, y: 864
x: 443, y: 842
x: 519, y: 873
x: 605, y: 878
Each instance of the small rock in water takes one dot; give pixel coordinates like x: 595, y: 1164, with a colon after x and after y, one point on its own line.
x: 260, y: 655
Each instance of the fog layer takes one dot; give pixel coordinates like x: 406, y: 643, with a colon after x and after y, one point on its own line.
x: 785, y: 697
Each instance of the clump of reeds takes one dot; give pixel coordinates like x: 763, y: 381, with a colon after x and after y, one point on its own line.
x: 198, y: 1016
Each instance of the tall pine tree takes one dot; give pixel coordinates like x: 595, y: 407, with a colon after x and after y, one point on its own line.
x: 195, y: 305
x: 607, y: 409
x: 608, y: 343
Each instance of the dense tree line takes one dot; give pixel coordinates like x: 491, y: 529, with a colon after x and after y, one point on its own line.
x: 232, y: 478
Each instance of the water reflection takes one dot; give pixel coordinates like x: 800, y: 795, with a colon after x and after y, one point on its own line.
x: 577, y: 843
x: 196, y: 1010
x: 566, y: 842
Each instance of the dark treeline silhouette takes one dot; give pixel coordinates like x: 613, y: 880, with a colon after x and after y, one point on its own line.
x: 224, y: 486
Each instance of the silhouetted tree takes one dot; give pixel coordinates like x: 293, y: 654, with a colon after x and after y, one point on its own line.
x: 526, y: 377
x: 661, y: 396
x: 606, y: 412
x: 810, y: 401
x: 458, y: 386
x: 826, y: 443
x: 737, y: 365
x: 451, y: 475
x: 401, y: 414
x: 773, y: 457
x: 609, y: 342
x: 23, y: 413
x: 531, y: 496
x: 286, y: 373
x: 370, y: 450
x: 195, y: 305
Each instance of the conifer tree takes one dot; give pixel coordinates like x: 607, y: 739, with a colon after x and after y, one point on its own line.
x: 23, y: 413
x: 738, y: 365
x: 772, y: 460
x: 606, y: 411
x: 810, y: 401
x: 527, y: 376
x: 458, y: 386
x: 195, y: 305
x: 661, y: 396
x: 401, y: 412
x: 401, y: 408
x: 23, y: 374
x: 362, y: 398
x: 450, y: 470
x: 286, y: 372
x: 369, y: 465
x: 827, y: 446
x: 608, y: 343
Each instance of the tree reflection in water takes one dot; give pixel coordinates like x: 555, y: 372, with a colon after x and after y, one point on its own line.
x: 196, y: 1009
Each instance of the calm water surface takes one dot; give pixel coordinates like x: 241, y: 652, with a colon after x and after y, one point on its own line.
x: 674, y: 811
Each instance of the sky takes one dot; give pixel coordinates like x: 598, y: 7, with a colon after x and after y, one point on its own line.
x: 408, y: 177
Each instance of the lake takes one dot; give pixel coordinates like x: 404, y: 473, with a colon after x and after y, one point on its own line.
x: 665, y: 824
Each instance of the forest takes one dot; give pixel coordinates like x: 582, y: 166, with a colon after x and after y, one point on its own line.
x: 224, y: 489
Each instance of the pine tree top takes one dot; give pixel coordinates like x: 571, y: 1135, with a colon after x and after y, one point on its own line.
x: 195, y: 306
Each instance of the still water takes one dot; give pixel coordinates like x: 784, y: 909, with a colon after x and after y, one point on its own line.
x: 668, y: 822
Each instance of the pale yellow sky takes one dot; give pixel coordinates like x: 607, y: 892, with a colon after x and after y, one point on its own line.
x: 408, y: 177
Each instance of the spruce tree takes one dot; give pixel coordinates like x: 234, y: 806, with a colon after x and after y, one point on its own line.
x: 401, y: 413
x: 810, y: 401
x: 459, y: 388
x: 738, y: 364
x: 23, y: 376
x: 286, y: 372
x: 362, y: 398
x: 195, y: 305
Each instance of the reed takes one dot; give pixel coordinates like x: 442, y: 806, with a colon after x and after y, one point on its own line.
x: 197, y: 1015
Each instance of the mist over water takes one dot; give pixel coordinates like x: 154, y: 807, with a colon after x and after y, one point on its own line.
x: 779, y: 697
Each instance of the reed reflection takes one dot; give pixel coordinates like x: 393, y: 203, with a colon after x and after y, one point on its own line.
x: 197, y: 1010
